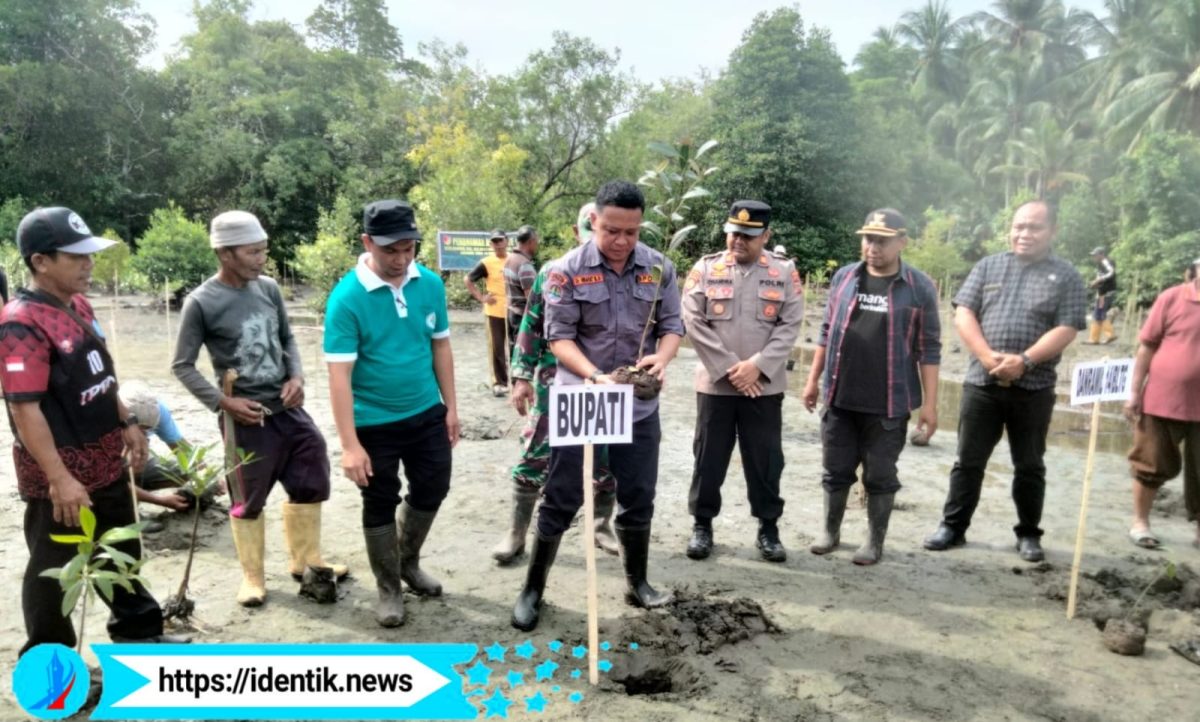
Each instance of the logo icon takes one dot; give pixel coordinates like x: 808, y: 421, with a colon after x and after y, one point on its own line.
x: 78, y: 225
x: 51, y: 681
x: 743, y: 215
x: 431, y: 320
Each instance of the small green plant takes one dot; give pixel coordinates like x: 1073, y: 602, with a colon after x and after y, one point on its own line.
x: 1168, y: 571
x: 97, y: 567
x: 186, y: 467
x: 656, y: 272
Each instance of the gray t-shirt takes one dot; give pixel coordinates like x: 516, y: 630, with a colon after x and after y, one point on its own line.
x: 243, y: 328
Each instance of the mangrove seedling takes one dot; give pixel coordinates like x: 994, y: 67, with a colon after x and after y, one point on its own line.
x: 645, y: 385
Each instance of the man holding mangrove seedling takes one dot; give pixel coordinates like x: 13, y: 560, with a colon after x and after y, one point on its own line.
x: 70, y: 428
x: 611, y: 304
x: 742, y: 307
x: 533, y: 369
x: 240, y: 317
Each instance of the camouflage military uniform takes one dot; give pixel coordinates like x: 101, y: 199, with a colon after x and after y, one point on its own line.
x: 533, y: 362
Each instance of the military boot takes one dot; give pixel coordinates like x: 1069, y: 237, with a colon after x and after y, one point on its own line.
x: 414, y: 527
x: 767, y: 541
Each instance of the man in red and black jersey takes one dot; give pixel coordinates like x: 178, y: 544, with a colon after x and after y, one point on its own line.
x: 70, y: 428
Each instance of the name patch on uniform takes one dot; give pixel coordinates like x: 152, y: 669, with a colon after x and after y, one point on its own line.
x: 719, y: 292
x: 645, y: 278
x: 991, y: 287
x: 588, y: 279
x: 14, y: 364
x: 773, y: 295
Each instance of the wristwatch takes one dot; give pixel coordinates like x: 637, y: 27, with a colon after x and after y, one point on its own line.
x: 1029, y: 363
x: 128, y: 421
x: 594, y: 375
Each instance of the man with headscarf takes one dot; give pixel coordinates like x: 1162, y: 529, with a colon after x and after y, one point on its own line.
x: 240, y: 317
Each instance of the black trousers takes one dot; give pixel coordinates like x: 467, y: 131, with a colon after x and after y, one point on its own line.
x: 634, y: 466
x: 498, y: 349
x: 756, y: 425
x: 984, y: 414
x: 135, y: 614
x: 850, y: 438
x: 421, y: 444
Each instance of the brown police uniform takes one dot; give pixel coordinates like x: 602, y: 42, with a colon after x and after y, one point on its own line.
x: 734, y: 313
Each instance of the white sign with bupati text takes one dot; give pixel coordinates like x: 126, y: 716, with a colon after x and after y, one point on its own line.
x: 591, y: 414
x: 1109, y: 380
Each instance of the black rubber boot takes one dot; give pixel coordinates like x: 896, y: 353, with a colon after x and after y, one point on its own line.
x: 384, y: 554
x: 414, y: 527
x: 879, y: 511
x: 635, y: 548
x: 529, y: 601
x: 835, y: 509
x: 513, y: 543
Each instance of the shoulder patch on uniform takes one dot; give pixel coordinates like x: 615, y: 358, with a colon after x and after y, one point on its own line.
x: 692, y: 279
x: 556, y: 279
x: 797, y: 286
x: 588, y: 279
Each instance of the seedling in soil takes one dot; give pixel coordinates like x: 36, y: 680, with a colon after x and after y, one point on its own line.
x: 97, y: 566
x: 1126, y: 635
x: 190, y: 472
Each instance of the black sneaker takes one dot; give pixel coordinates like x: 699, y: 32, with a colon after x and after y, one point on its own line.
x: 944, y: 538
x: 701, y: 543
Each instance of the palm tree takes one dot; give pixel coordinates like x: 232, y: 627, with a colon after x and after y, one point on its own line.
x: 1036, y: 32
x: 932, y: 31
x: 1048, y: 157
x: 1161, y: 77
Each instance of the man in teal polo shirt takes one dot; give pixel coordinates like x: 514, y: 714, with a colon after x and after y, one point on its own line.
x: 391, y: 385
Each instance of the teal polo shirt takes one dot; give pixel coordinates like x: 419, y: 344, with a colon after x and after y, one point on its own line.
x: 387, y: 333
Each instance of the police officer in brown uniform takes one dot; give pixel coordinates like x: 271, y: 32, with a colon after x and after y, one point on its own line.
x: 742, y: 308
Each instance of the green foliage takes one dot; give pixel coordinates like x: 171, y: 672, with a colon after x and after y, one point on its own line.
x: 675, y: 192
x: 1158, y: 196
x: 12, y: 210
x: 97, y: 567
x: 1086, y: 218
x: 323, y: 262
x: 934, y: 252
x: 174, y: 249
x: 111, y: 263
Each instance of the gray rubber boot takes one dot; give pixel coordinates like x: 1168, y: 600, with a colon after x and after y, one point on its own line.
x: 879, y: 511
x: 528, y: 608
x: 513, y: 543
x: 605, y: 538
x: 635, y: 548
x: 414, y: 527
x: 384, y: 554
x: 835, y: 509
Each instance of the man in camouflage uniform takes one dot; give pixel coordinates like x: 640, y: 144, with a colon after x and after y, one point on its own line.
x: 532, y: 371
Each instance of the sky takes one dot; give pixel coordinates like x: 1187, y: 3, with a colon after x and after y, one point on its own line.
x: 657, y: 39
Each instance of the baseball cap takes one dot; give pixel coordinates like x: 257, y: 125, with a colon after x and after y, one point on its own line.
x: 44, y: 230
x: 389, y: 221
x: 750, y: 218
x: 885, y: 222
x: 497, y: 233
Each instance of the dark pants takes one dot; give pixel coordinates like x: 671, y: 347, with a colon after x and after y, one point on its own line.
x: 514, y: 327
x: 984, y: 414
x: 287, y: 448
x: 422, y: 444
x: 634, y: 466
x: 134, y: 614
x: 497, y: 341
x: 850, y: 438
x: 1104, y: 302
x: 756, y: 425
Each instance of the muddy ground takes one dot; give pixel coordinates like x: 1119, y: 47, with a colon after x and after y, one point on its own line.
x: 970, y: 634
